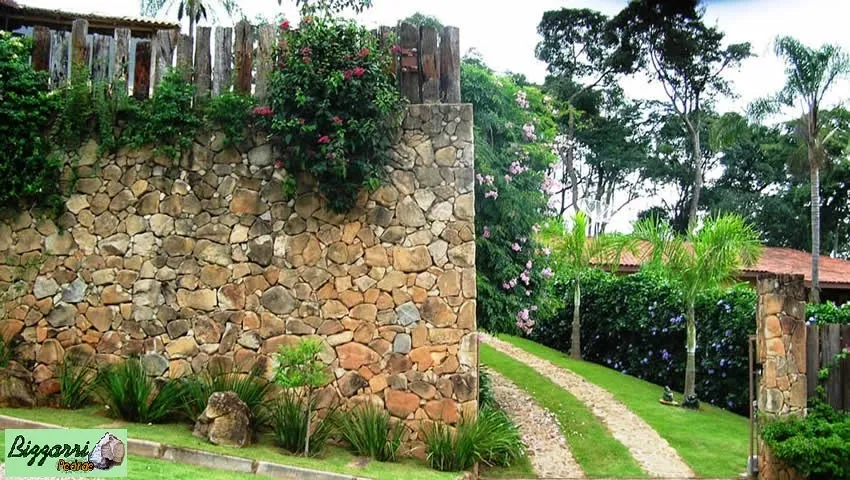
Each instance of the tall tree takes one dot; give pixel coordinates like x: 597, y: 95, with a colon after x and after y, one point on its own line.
x: 705, y: 258
x: 810, y: 73
x: 581, y: 49
x: 194, y: 10
x: 573, y: 254
x: 688, y: 60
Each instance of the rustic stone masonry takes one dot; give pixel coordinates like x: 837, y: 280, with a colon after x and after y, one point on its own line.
x: 781, y: 350
x: 209, y: 263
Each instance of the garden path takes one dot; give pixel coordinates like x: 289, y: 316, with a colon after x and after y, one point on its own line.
x: 548, y: 451
x: 655, y: 456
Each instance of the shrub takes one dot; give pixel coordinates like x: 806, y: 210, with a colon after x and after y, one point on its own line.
x: 371, y: 432
x: 829, y: 312
x: 817, y: 446
x: 230, y: 112
x: 491, y: 438
x: 250, y: 387
x: 291, y: 416
x: 334, y: 105
x: 635, y: 324
x: 130, y: 394
x: 75, y: 384
x: 485, y: 389
x: 28, y: 174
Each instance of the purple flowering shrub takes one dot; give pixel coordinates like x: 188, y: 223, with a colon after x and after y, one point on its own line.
x: 635, y: 324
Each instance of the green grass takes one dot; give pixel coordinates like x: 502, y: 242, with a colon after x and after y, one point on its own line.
x: 180, y: 434
x: 598, y: 453
x: 712, y: 441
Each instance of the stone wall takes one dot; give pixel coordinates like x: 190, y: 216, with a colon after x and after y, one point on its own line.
x: 781, y: 350
x: 208, y: 263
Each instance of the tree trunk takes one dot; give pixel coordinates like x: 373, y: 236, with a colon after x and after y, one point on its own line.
x: 571, y: 170
x: 697, y: 159
x: 814, y: 293
x: 575, y: 338
x: 690, y: 348
x: 309, y: 415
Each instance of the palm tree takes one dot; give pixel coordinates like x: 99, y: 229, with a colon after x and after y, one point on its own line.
x: 195, y: 10
x: 809, y: 75
x: 575, y: 254
x: 704, y: 258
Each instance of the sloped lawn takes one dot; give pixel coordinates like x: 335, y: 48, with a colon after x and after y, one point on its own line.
x: 713, y: 442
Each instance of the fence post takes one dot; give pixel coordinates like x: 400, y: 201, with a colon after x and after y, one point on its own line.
x: 830, y: 347
x: 409, y: 42
x: 243, y: 50
x: 165, y: 40
x: 264, y: 62
x: 121, y: 63
x: 41, y: 48
x: 184, y: 56
x: 845, y: 370
x: 450, y: 65
x: 222, y: 79
x: 429, y: 61
x: 142, y: 71
x: 812, y: 359
x: 203, y: 64
x: 100, y: 58
x: 59, y: 58
x: 79, y: 33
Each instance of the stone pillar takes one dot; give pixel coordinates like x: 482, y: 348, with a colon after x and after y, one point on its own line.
x: 781, y: 350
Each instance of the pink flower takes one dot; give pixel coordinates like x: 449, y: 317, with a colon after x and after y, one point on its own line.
x: 528, y: 293
x: 337, y: 120
x: 358, y: 71
x: 364, y: 52
x: 523, y: 314
x: 278, y: 164
x: 525, y: 278
x: 513, y: 282
x: 546, y: 272
x: 506, y: 286
x: 486, y: 233
x: 263, y: 111
x: 307, y: 60
x: 395, y: 49
x: 508, y: 178
x: 547, y: 252
x: 306, y: 51
x: 528, y: 131
x: 515, y: 247
x: 284, y: 25
x: 534, y: 308
x: 516, y: 168
x: 521, y: 99
x: 492, y: 194
x: 529, y: 264
x: 301, y: 121
x: 535, y: 228
x: 324, y: 139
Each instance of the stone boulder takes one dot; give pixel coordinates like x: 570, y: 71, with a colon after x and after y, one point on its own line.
x: 225, y: 421
x: 15, y: 386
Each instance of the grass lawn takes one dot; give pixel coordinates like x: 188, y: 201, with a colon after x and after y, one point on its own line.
x: 180, y: 434
x: 598, y: 453
x: 713, y: 441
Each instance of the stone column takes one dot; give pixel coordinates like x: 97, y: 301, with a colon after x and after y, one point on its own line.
x: 781, y: 350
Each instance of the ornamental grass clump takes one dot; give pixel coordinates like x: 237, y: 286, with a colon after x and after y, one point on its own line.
x: 334, y: 106
x: 75, y: 383
x: 491, y: 438
x: 371, y: 432
x: 250, y: 387
x: 130, y: 394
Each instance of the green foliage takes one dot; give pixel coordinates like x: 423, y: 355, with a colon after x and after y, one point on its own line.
x: 335, y: 107
x: 635, y: 324
x: 486, y: 397
x: 299, y: 366
x: 75, y: 383
x: 491, y: 438
x: 291, y: 416
x: 423, y: 20
x: 510, y: 202
x: 371, y: 432
x: 827, y: 313
x: 130, y: 394
x: 6, y: 353
x: 28, y: 174
x: 250, y: 387
x: 167, y: 122
x: 817, y: 446
x: 231, y: 112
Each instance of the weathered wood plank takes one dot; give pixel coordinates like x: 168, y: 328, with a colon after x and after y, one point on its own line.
x: 450, y: 65
x: 59, y: 62
x: 79, y: 50
x: 203, y: 64
x: 243, y: 54
x: 429, y: 62
x: 265, y: 48
x: 845, y: 370
x: 812, y: 359
x: 100, y: 58
x: 121, y: 61
x: 41, y: 48
x: 223, y: 75
x: 142, y: 72
x: 184, y: 56
x: 409, y: 42
x: 165, y: 44
x: 830, y: 346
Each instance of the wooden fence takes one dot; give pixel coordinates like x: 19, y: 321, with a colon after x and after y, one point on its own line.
x: 823, y: 342
x: 221, y: 58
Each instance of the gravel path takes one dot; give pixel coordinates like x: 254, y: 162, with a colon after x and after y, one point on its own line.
x: 548, y: 451
x: 3, y: 475
x: 653, y: 453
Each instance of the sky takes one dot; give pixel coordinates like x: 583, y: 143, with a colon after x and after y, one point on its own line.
x: 505, y: 33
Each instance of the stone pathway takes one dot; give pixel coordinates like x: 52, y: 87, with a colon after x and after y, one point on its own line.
x: 655, y: 456
x: 548, y: 451
x: 3, y: 475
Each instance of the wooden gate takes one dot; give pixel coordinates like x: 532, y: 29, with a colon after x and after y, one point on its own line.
x: 823, y: 343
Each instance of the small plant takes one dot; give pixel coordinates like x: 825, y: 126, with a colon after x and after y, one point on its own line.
x: 491, y: 437
x: 485, y: 388
x: 250, y: 387
x: 300, y: 370
x: 371, y: 432
x: 231, y: 112
x: 130, y: 394
x: 291, y: 427
x: 499, y: 439
x: 75, y: 383
x: 5, y: 353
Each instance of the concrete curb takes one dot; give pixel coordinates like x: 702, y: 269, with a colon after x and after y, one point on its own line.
x: 201, y: 458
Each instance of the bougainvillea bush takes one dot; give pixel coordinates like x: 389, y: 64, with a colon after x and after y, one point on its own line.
x: 334, y: 106
x: 635, y: 324
x: 514, y: 128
